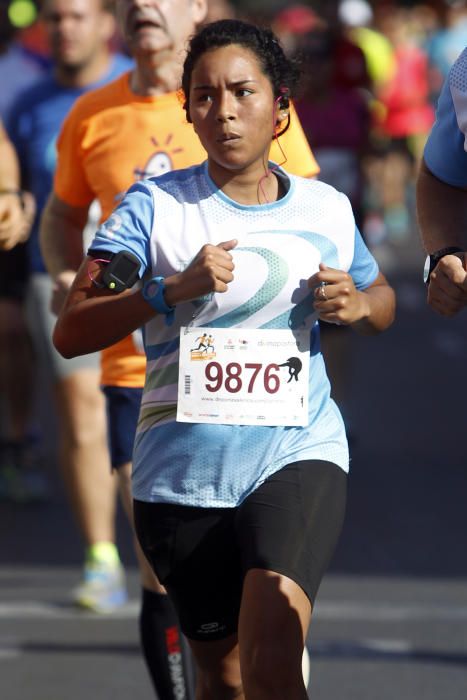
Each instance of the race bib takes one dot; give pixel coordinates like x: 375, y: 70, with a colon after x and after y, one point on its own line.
x: 243, y: 377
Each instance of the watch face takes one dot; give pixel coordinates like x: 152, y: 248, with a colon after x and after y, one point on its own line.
x: 152, y: 289
x: 426, y: 269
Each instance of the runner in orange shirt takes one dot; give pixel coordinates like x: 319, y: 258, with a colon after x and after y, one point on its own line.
x: 133, y: 128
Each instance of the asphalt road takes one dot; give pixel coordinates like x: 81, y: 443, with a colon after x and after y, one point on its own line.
x: 391, y: 617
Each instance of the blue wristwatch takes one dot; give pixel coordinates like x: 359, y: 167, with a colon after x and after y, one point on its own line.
x: 153, y: 293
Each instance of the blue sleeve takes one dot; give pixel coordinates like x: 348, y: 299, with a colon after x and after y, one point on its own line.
x: 444, y: 153
x: 129, y: 226
x: 18, y: 127
x: 120, y: 64
x: 364, y: 269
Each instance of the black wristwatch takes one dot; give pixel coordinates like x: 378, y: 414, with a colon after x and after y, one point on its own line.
x: 433, y: 259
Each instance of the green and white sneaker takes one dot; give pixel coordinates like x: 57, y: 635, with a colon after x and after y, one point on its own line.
x: 103, y: 588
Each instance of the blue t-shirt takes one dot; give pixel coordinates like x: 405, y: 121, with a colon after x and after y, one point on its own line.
x: 19, y: 70
x: 446, y: 149
x: 33, y: 123
x: 165, y: 221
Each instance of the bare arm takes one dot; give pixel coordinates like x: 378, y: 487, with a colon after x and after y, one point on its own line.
x: 15, y: 222
x: 441, y: 212
x: 442, y: 218
x: 369, y: 311
x: 61, y: 239
x: 93, y: 318
x: 61, y: 235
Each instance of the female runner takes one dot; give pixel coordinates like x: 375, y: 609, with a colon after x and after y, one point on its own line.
x: 240, y: 459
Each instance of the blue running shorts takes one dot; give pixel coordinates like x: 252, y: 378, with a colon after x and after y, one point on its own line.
x: 122, y: 418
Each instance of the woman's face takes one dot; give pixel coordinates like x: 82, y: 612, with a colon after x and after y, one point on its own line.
x: 233, y: 110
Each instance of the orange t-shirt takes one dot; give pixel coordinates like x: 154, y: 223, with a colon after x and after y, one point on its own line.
x: 111, y: 138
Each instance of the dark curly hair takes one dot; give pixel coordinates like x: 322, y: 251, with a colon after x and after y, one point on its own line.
x: 282, y: 72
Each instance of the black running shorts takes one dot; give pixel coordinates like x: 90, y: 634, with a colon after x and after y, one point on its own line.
x: 14, y: 273
x: 290, y: 524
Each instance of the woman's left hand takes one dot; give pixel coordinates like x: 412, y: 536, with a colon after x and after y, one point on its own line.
x: 336, y: 298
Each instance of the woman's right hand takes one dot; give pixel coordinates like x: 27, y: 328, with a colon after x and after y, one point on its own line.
x: 211, y: 270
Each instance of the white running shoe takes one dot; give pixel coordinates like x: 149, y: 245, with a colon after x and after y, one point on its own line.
x: 103, y: 588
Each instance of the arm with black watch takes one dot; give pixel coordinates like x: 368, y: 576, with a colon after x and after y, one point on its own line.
x: 433, y: 259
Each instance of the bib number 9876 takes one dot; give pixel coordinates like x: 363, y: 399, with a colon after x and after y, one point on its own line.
x: 235, y: 376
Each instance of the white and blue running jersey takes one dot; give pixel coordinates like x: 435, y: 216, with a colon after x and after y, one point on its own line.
x: 165, y: 221
x: 446, y: 149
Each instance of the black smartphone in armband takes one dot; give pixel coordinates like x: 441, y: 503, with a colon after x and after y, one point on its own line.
x: 122, y: 271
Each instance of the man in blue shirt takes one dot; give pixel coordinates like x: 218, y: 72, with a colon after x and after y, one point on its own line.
x: 442, y: 197
x: 79, y: 33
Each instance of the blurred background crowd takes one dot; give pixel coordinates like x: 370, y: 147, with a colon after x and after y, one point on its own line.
x: 372, y: 73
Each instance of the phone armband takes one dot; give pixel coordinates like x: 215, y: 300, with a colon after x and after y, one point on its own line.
x: 122, y: 271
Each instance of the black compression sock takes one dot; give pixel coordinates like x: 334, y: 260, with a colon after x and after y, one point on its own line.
x: 166, y: 653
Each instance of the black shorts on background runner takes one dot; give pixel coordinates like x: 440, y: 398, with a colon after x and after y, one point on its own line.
x: 14, y: 273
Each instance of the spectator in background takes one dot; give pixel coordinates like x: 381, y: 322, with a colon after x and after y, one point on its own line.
x: 356, y: 19
x: 334, y: 83
x: 297, y: 21
x: 293, y: 22
x: 338, y: 143
x: 405, y: 96
x: 402, y: 121
x: 351, y: 64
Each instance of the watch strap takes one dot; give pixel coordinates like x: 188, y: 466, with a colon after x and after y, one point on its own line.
x: 450, y: 250
x: 434, y: 258
x: 156, y: 298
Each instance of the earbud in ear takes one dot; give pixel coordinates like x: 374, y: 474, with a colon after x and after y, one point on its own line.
x: 284, y: 98
x: 281, y: 104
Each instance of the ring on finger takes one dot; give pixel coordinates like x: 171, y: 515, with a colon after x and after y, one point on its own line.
x: 322, y: 291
